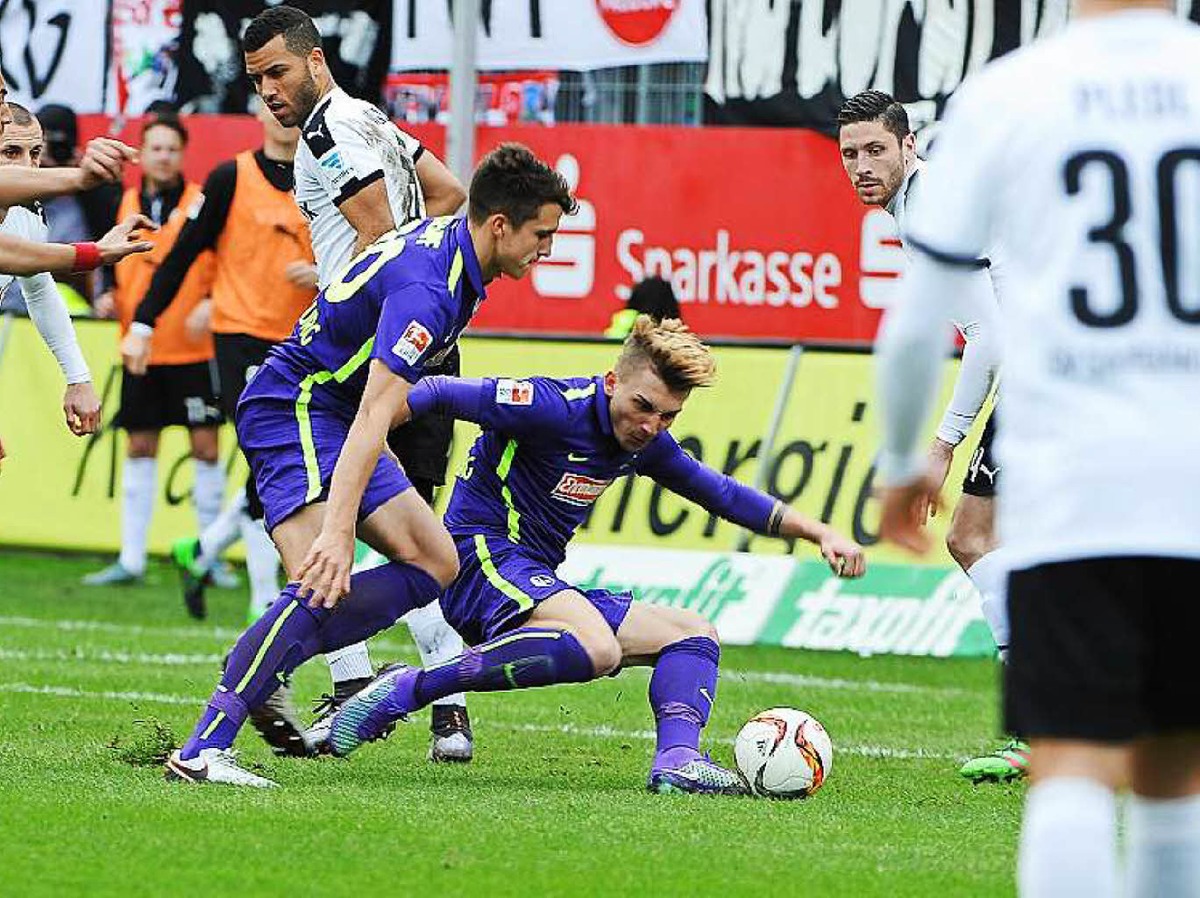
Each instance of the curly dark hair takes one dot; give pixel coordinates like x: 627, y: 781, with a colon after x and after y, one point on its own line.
x: 513, y: 181
x: 875, y: 106
x: 300, y: 35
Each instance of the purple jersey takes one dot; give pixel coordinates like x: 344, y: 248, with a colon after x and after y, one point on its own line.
x: 404, y: 300
x: 547, y: 452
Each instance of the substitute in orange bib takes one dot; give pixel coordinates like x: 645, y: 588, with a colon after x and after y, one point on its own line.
x: 180, y: 387
x: 265, y: 277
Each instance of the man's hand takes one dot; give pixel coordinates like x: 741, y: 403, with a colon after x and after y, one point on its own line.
x: 941, y: 456
x: 301, y: 274
x: 103, y: 162
x: 325, y: 574
x: 82, y: 408
x: 135, y: 351
x: 844, y: 556
x: 120, y: 242
x: 905, y: 509
x: 197, y: 322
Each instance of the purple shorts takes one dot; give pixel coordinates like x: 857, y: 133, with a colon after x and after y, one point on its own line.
x: 292, y: 460
x: 499, y: 585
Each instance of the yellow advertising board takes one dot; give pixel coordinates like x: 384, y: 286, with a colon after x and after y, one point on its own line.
x: 60, y: 491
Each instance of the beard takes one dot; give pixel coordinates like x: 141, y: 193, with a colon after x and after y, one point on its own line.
x: 305, y: 100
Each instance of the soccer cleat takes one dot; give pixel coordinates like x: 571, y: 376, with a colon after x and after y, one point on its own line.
x: 317, y: 734
x: 451, y: 735
x: 213, y: 765
x: 276, y: 721
x: 699, y: 776
x: 116, y: 574
x: 193, y: 576
x: 1007, y: 763
x: 372, y: 713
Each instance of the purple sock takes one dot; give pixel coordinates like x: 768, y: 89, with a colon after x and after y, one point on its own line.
x: 377, y: 599
x: 518, y: 660
x: 272, y: 647
x: 682, y: 689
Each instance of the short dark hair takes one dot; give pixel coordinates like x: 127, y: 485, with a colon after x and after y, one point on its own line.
x: 166, y: 121
x: 20, y: 115
x: 513, y: 181
x: 300, y: 34
x: 875, y: 106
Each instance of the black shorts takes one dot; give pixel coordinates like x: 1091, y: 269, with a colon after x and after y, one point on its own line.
x: 983, y: 470
x: 423, y: 445
x: 167, y: 395
x: 238, y: 357
x: 1101, y: 649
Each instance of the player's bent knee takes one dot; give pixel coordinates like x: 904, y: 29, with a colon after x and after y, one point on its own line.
x: 603, y: 649
x: 964, y: 547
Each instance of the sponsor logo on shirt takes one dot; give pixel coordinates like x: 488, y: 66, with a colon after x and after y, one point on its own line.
x: 513, y: 392
x: 413, y: 342
x: 579, y: 489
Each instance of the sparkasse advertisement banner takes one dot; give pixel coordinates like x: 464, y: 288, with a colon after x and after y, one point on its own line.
x: 758, y: 230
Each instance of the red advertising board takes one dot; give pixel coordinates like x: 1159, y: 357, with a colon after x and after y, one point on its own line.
x: 757, y: 229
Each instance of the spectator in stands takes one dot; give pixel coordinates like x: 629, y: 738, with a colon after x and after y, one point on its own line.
x: 77, y: 217
x: 652, y: 296
x: 179, y: 389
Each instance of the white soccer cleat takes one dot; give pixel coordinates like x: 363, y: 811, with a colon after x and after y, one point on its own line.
x: 214, y: 765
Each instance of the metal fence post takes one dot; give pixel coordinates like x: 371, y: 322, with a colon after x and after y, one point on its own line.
x: 767, y: 448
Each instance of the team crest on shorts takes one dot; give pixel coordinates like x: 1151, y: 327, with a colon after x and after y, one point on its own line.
x: 513, y: 392
x: 541, y: 580
x: 413, y: 342
x: 579, y: 489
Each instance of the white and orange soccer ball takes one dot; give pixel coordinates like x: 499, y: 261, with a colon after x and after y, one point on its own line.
x: 784, y: 753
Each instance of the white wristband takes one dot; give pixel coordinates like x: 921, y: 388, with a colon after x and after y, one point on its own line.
x: 141, y: 329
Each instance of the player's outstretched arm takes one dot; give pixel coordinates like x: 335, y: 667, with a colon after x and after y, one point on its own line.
x: 502, y: 403
x: 49, y: 314
x: 103, y: 161
x: 747, y: 507
x: 325, y: 574
x: 910, y: 352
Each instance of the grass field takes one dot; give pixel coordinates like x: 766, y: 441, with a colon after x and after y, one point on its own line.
x: 553, y: 804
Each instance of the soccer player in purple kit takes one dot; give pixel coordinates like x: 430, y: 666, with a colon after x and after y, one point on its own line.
x: 314, y: 413
x: 548, y: 450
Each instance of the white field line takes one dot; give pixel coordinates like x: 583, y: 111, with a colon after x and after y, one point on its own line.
x: 176, y: 659
x: 568, y: 729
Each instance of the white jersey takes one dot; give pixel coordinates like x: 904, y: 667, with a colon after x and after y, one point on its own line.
x: 977, y: 372
x: 42, y: 300
x: 1080, y: 155
x: 347, y: 144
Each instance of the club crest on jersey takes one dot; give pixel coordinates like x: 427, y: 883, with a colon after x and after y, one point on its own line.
x: 513, y: 392
x: 413, y: 342
x: 579, y: 489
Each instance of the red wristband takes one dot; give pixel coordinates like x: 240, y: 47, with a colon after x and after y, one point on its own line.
x: 87, y: 256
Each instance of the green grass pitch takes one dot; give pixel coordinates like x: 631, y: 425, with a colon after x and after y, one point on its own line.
x: 554, y: 803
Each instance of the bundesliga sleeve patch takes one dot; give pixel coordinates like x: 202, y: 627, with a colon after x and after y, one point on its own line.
x: 513, y: 392
x: 413, y: 342
x: 335, y: 168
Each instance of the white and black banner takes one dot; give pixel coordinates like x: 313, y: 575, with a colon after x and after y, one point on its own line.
x: 577, y: 35
x: 53, y: 51
x: 793, y: 62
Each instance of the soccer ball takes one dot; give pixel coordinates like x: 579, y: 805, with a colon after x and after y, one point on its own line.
x: 784, y: 753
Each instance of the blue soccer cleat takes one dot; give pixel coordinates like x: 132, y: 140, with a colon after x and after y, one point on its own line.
x: 372, y: 712
x: 699, y: 776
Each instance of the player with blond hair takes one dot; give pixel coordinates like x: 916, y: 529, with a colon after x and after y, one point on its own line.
x: 548, y: 450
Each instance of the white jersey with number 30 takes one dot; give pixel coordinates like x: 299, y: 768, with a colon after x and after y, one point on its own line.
x: 1080, y: 155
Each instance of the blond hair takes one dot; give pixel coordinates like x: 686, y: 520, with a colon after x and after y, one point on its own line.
x: 674, y: 353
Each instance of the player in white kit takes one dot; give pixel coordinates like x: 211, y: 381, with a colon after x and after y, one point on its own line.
x: 358, y: 176
x: 1080, y: 155
x: 878, y: 151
